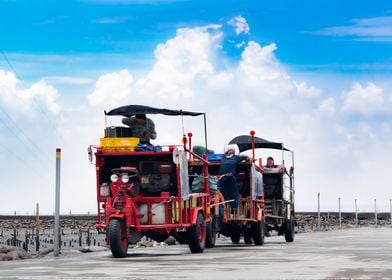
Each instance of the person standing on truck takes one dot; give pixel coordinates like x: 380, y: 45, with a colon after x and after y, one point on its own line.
x: 227, y: 184
x: 141, y: 127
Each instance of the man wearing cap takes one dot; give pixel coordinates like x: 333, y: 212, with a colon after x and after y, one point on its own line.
x: 141, y: 127
x: 228, y: 170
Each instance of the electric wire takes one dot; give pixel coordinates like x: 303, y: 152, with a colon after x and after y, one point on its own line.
x: 41, y: 153
x: 26, y: 87
x: 45, y: 173
x: 37, y: 150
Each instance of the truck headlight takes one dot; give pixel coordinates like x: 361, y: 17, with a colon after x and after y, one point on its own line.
x: 114, y: 178
x: 125, y: 178
x: 104, y: 190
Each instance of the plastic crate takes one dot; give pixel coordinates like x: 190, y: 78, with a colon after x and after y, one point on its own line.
x: 119, y: 144
x: 215, y: 157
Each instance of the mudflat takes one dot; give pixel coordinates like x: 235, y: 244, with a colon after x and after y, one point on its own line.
x: 364, y: 253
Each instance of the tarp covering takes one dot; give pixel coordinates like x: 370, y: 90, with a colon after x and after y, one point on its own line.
x: 131, y: 110
x: 244, y: 143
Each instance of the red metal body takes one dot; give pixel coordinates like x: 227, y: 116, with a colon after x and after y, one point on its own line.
x: 156, y: 215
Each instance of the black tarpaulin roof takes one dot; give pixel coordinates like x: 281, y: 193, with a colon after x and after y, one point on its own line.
x: 131, y: 110
x: 244, y: 143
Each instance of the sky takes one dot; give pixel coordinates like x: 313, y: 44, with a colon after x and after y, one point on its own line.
x: 314, y: 75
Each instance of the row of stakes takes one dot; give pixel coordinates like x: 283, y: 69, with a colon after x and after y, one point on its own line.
x: 356, y: 212
x: 33, y: 242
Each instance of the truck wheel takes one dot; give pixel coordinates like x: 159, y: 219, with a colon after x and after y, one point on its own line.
x: 289, y: 231
x: 236, y: 235
x: 259, y: 232
x: 197, y: 235
x: 118, y: 239
x: 211, y: 233
x: 248, y: 235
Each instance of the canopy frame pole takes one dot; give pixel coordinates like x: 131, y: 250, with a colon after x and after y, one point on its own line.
x: 205, y: 132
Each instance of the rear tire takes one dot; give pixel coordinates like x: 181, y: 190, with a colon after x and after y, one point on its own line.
x: 197, y: 235
x: 211, y: 233
x: 118, y: 238
x: 236, y: 235
x: 289, y: 231
x: 248, y: 235
x: 259, y: 232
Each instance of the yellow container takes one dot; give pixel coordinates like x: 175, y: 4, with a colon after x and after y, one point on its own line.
x: 119, y: 144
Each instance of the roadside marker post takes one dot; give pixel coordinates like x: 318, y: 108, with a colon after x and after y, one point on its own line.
x: 56, y: 241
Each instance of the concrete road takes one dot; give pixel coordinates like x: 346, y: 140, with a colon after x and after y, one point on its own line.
x: 364, y: 253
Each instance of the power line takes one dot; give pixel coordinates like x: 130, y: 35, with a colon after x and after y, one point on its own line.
x: 28, y: 164
x: 34, y: 101
x: 44, y: 113
x: 12, y: 68
x: 22, y: 133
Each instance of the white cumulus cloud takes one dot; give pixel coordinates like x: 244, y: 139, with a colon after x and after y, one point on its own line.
x: 366, y: 100
x: 112, y: 88
x: 181, y: 62
x: 240, y: 24
x: 307, y: 91
x: 39, y: 96
x: 328, y: 106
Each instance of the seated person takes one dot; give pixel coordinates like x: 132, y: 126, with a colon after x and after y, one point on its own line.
x: 271, y: 166
x: 141, y: 127
x: 227, y: 184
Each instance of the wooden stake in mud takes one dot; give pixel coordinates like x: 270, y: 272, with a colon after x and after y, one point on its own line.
x: 37, y: 228
x: 356, y: 213
x: 375, y: 212
x: 318, y: 212
x: 390, y: 208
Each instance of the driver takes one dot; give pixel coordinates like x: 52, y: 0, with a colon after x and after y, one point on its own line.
x: 141, y: 127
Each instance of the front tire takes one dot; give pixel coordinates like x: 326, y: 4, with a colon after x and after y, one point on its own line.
x: 197, y: 235
x: 118, y: 239
x: 289, y: 230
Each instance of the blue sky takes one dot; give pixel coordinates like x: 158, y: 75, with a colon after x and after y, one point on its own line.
x: 313, y: 74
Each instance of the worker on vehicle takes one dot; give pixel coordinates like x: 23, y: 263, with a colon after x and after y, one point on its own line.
x: 270, y: 162
x: 227, y: 184
x: 271, y: 166
x: 141, y: 127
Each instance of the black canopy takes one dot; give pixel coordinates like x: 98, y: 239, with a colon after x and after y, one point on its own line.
x: 131, y: 110
x: 244, y: 143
